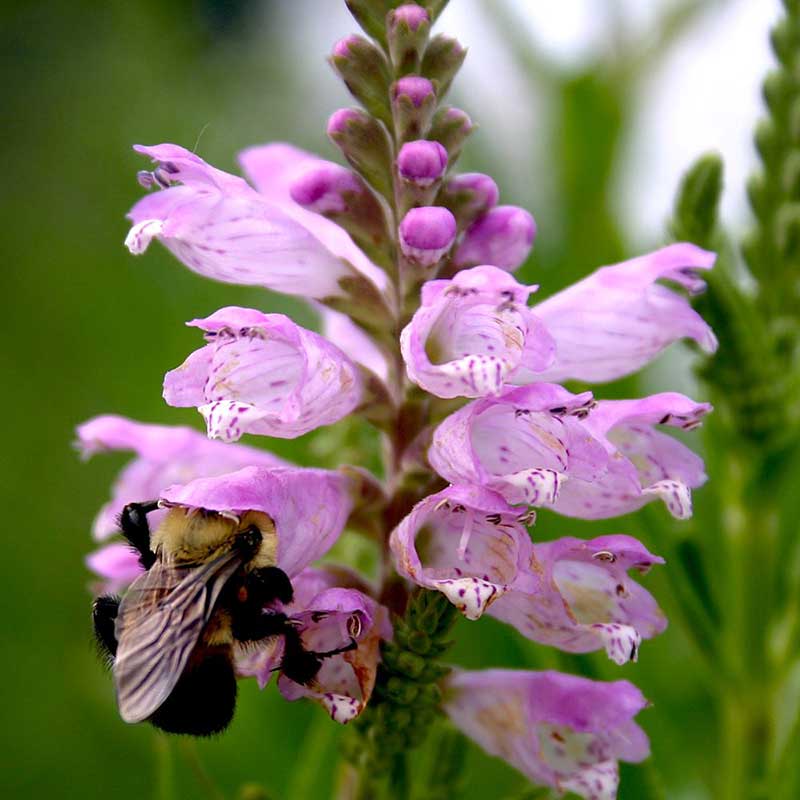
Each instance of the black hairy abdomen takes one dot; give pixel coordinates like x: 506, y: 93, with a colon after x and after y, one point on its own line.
x: 203, y: 700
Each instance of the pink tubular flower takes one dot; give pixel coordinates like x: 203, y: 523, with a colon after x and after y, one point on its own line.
x: 523, y: 444
x: 329, y: 612
x: 643, y: 463
x: 308, y: 506
x: 221, y: 228
x: 503, y: 237
x: 559, y: 730
x: 262, y: 373
x: 578, y: 597
x: 473, y: 334
x: 164, y: 455
x: 616, y: 320
x: 474, y: 547
x: 421, y: 162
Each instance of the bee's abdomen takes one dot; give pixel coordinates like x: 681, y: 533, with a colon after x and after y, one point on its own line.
x: 204, y: 699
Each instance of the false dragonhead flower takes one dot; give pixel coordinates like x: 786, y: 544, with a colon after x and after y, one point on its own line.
x: 473, y: 334
x: 559, y: 730
x: 644, y: 464
x: 220, y: 227
x: 576, y: 595
x: 522, y: 444
x: 472, y: 543
x: 331, y: 608
x: 264, y: 374
x: 165, y: 455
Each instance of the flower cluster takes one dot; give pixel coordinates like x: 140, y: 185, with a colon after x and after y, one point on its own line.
x: 427, y: 335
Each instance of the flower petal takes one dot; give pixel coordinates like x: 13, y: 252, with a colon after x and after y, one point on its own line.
x: 264, y: 374
x: 471, y: 333
x: 578, y: 597
x: 471, y: 543
x: 273, y: 168
x: 117, y: 564
x: 559, y: 730
x: 617, y: 319
x: 522, y: 444
x: 308, y: 506
x: 219, y: 227
x: 165, y: 455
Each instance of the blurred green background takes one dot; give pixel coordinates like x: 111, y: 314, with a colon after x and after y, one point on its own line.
x: 90, y: 329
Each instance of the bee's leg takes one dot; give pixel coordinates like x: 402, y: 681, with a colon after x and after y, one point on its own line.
x: 133, y: 523
x: 353, y: 645
x: 104, y: 615
x: 266, y: 585
x: 250, y: 625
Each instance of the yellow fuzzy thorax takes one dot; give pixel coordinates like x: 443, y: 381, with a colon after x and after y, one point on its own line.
x: 195, y: 536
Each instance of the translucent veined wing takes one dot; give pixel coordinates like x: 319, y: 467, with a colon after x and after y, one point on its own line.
x: 159, y: 623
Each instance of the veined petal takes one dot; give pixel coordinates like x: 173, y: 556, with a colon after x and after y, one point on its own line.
x: 263, y: 374
x: 559, y: 730
x: 617, y: 319
x: 273, y: 168
x: 328, y: 612
x: 464, y: 542
x: 578, y: 597
x: 164, y: 455
x: 644, y: 464
x: 308, y: 506
x: 219, y: 227
x: 471, y: 333
x: 523, y: 444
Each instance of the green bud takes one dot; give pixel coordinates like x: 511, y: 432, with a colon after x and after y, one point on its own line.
x: 411, y: 664
x: 785, y: 41
x: 787, y: 231
x: 758, y: 195
x: 443, y: 59
x: 767, y: 141
x: 371, y: 16
x: 790, y: 179
x: 777, y: 90
x: 365, y: 144
x: 451, y: 127
x: 365, y: 72
x: 793, y: 123
x: 697, y: 203
x: 401, y: 691
x: 419, y: 642
x: 407, y: 30
x: 413, y: 103
x: 430, y: 695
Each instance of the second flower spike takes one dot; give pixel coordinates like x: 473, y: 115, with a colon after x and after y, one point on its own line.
x: 262, y: 373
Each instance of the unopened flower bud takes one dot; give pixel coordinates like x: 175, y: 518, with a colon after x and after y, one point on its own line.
x: 407, y: 31
x: 443, y: 59
x: 502, y: 237
x: 413, y: 101
x: 451, y: 127
x: 426, y: 234
x: 339, y: 194
x: 365, y: 144
x: 422, y: 162
x: 469, y: 195
x: 365, y: 72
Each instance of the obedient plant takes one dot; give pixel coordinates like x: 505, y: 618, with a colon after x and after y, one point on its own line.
x: 428, y: 337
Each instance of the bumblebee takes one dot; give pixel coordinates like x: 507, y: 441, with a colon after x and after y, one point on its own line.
x: 172, y: 638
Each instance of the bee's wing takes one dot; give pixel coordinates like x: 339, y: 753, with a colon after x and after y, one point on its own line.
x: 159, y: 623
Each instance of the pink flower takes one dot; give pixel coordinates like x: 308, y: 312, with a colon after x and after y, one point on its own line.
x: 644, y: 464
x: 472, y: 543
x: 329, y: 612
x: 220, y: 227
x: 576, y: 595
x: 503, y: 236
x: 559, y: 730
x: 164, y: 455
x: 619, y: 318
x: 523, y: 444
x: 262, y: 373
x: 474, y: 334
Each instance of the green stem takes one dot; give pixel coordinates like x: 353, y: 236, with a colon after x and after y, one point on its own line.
x: 165, y: 769
x: 201, y: 774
